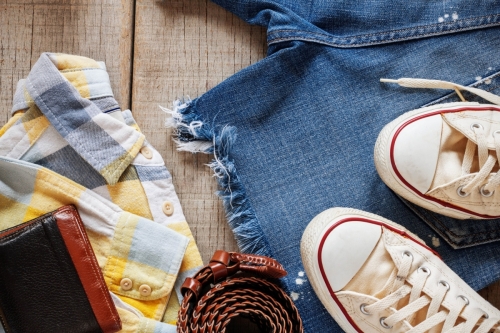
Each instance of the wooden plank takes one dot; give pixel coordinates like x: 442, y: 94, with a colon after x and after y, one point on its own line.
x: 188, y: 48
x: 183, y: 48
x: 97, y: 29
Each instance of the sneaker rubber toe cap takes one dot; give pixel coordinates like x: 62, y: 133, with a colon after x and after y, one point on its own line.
x: 343, y: 250
x: 415, y: 152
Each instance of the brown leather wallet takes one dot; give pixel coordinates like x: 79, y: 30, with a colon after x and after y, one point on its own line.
x: 50, y: 280
x: 209, y: 308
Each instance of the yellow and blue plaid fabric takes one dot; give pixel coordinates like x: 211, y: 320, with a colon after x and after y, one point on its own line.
x: 68, y: 142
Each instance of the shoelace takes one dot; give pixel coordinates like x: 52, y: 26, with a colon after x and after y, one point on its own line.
x: 418, y: 301
x: 487, y: 161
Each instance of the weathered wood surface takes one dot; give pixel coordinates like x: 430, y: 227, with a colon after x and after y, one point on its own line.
x: 96, y: 29
x: 183, y: 48
x: 155, y: 52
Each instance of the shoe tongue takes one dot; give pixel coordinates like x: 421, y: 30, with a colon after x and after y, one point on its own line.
x: 451, y: 156
x: 373, y: 277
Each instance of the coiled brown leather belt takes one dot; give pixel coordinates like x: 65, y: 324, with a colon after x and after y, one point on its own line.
x: 220, y: 292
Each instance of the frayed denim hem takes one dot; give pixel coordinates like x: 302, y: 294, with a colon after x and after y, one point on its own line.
x: 195, y: 135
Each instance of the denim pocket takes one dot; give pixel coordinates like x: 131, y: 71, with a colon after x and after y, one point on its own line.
x: 459, y: 233
x: 463, y: 233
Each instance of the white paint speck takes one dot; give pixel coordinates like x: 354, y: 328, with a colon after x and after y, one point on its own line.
x: 301, y: 273
x: 478, y: 78
x: 446, y: 15
x: 435, y: 242
x: 299, y: 281
x: 454, y: 16
x: 440, y: 19
x: 294, y: 295
x: 488, y: 81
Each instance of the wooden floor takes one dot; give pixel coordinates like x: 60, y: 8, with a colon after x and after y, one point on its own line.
x: 155, y: 52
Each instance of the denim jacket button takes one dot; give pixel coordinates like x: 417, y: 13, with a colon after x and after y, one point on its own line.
x: 145, y: 290
x: 126, y: 284
x: 168, y: 208
x: 147, y: 153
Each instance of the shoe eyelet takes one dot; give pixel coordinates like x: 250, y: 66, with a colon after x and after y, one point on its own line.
x: 495, y: 133
x: 424, y: 269
x: 476, y: 126
x: 407, y: 254
x: 485, y: 315
x: 485, y: 193
x: 383, y: 324
x: 461, y: 193
x: 362, y: 309
x: 466, y: 300
x: 444, y: 283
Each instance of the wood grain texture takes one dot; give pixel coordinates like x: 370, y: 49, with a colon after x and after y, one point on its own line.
x: 101, y: 30
x: 181, y: 49
x: 155, y: 52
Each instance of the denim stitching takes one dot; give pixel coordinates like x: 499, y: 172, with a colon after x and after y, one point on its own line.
x: 400, y: 30
x: 446, y: 28
x: 377, y: 42
x: 418, y: 27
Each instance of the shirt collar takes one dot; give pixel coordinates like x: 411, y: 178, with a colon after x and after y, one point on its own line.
x: 75, y: 95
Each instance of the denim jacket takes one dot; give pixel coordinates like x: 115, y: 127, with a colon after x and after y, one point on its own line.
x: 294, y: 133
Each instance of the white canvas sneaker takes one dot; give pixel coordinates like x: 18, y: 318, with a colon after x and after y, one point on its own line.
x: 445, y: 157
x: 373, y: 275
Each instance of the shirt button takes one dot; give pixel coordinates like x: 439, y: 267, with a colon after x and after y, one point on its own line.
x: 168, y: 208
x: 126, y: 284
x: 145, y: 290
x: 146, y: 152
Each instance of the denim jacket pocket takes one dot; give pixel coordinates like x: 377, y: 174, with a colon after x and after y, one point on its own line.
x: 463, y: 233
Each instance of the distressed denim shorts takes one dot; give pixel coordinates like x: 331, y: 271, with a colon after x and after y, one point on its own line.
x: 293, y: 134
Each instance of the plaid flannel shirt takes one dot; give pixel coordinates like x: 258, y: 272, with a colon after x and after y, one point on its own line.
x: 68, y: 142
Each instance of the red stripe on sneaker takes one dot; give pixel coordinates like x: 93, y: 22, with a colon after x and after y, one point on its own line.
x: 393, y: 163
x: 358, y: 219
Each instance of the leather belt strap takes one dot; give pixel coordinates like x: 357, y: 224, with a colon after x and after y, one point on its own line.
x: 221, y: 291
